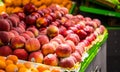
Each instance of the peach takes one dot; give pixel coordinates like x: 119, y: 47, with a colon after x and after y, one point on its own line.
x: 63, y: 50
x: 30, y: 20
x: 67, y: 62
x: 43, y: 39
x: 26, y: 36
x: 30, y: 34
x: 51, y: 59
x: 33, y: 30
x: 52, y: 31
x: 77, y: 56
x: 56, y: 44
x: 59, y: 36
x: 4, y: 25
x: 18, y: 42
x: 21, y: 53
x: 58, y: 40
x: 43, y: 31
x: 18, y: 29
x: 36, y: 57
x: 4, y: 38
x: 73, y: 37
x: 41, y: 22
x: 22, y: 25
x: 21, y: 15
x: 71, y: 44
x: 32, y: 44
x: 48, y: 48
x: 14, y: 32
x: 11, y: 34
x: 5, y: 50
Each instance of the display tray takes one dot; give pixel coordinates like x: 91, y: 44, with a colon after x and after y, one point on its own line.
x: 93, y: 51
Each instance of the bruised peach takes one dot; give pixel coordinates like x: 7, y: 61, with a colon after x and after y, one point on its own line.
x: 32, y: 44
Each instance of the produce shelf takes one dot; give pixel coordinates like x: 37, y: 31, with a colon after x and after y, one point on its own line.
x: 99, y: 11
x: 93, y: 52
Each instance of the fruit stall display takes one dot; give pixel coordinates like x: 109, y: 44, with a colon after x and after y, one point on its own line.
x: 49, y: 37
x: 13, y: 6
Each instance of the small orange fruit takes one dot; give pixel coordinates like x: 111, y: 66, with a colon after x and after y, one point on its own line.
x: 41, y: 68
x: 23, y: 69
x: 55, y: 70
x: 28, y: 65
x: 8, y: 62
x: 2, y: 58
x: 2, y: 64
x: 19, y: 65
x: 14, y: 58
x: 2, y: 70
x: 11, y: 68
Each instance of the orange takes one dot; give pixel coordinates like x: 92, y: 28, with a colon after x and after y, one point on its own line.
x: 2, y: 64
x: 41, y: 68
x: 11, y: 68
x: 19, y: 65
x: 55, y: 70
x: 8, y: 62
x: 23, y: 69
x: 14, y: 58
x: 2, y: 58
x: 28, y: 65
x: 2, y: 70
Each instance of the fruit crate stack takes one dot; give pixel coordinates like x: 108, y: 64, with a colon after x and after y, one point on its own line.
x: 48, y: 39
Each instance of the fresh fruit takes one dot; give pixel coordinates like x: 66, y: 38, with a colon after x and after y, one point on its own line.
x: 52, y: 31
x: 14, y: 58
x: 5, y: 50
x: 73, y: 37
x: 4, y: 25
x: 11, y: 68
x: 77, y: 56
x: 34, y: 31
x: 42, y: 68
x: 51, y: 59
x: 48, y: 48
x: 67, y: 62
x: 36, y: 57
x: 2, y: 64
x: 41, y: 22
x: 63, y: 50
x: 18, y: 42
x: 30, y: 34
x: 32, y: 44
x: 43, y: 39
x: 21, y: 53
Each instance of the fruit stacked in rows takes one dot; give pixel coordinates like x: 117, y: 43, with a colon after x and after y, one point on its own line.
x: 13, y: 6
x: 50, y: 36
x: 11, y: 64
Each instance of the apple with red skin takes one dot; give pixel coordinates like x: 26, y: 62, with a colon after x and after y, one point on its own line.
x: 36, y: 56
x: 21, y: 53
x: 63, y: 50
x: 5, y: 50
x: 51, y: 59
x: 73, y: 37
x: 67, y: 62
x: 43, y: 39
x: 48, y: 48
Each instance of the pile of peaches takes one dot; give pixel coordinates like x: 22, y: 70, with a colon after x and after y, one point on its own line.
x: 50, y: 36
